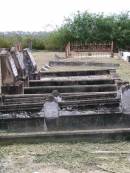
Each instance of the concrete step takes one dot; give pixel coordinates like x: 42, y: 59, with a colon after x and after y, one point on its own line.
x: 78, y: 105
x: 67, y: 96
x: 92, y: 95
x: 63, y: 81
x: 81, y: 121
x: 96, y: 134
x: 76, y: 78
x: 15, y: 96
x: 37, y: 98
x: 82, y: 63
x: 70, y: 89
x: 76, y: 73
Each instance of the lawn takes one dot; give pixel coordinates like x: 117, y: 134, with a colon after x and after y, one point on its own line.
x: 75, y: 156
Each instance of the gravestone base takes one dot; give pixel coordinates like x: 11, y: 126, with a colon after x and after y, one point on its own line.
x: 18, y: 88
x: 66, y: 123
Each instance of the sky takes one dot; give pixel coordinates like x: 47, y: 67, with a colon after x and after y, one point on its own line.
x: 45, y: 15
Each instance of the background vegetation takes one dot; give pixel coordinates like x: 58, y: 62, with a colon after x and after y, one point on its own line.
x: 83, y: 27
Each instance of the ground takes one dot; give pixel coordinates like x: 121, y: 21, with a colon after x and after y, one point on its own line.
x: 123, y: 70
x: 44, y: 57
x: 75, y: 156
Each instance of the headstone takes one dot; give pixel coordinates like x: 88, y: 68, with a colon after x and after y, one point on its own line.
x: 30, y: 63
x: 32, y: 58
x: 51, y: 109
x: 30, y: 44
x: 20, y: 58
x: 125, y: 56
x: 13, y: 67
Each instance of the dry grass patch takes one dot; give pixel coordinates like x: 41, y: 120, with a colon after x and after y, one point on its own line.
x: 77, y: 156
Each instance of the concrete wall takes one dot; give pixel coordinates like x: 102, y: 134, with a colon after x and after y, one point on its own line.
x: 94, y: 121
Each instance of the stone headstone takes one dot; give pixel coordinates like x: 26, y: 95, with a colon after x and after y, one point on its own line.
x: 32, y: 58
x: 13, y: 66
x: 51, y: 109
x: 20, y: 58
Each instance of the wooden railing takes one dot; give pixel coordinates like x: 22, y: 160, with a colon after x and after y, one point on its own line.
x: 88, y: 47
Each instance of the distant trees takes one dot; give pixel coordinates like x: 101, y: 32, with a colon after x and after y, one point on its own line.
x: 87, y: 27
x: 83, y: 27
x: 11, y: 38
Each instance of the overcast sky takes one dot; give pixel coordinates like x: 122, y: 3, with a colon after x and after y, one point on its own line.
x: 40, y: 15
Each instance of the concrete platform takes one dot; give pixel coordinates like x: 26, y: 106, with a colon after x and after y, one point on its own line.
x: 82, y: 121
x: 115, y: 133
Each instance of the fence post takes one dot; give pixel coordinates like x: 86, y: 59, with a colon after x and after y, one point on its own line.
x: 67, y: 50
x: 112, y: 46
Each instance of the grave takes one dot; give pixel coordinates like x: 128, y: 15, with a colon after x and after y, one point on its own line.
x: 91, y: 99
x: 125, y: 55
x: 82, y: 63
x: 16, y: 68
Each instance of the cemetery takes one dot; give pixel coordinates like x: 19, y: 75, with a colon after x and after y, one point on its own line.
x: 93, y: 97
x: 65, y: 86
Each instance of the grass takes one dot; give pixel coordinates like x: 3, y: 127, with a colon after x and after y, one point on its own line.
x: 76, y: 156
x: 44, y: 57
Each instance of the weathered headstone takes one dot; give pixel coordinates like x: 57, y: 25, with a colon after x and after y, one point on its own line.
x: 51, y: 109
x: 13, y: 66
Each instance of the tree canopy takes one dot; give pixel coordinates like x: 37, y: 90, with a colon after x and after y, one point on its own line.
x: 82, y: 27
